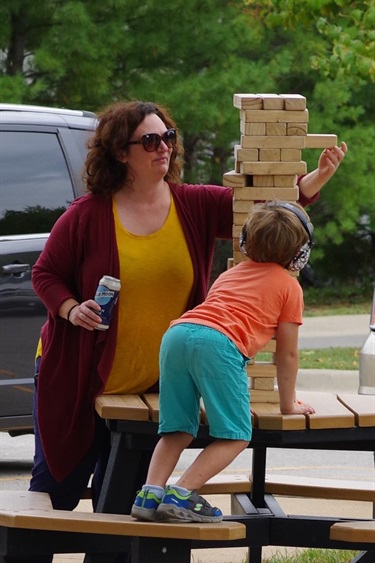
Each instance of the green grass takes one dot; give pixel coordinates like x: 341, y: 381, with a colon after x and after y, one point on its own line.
x: 314, y: 556
x: 325, y: 358
x: 330, y: 358
x: 337, y: 301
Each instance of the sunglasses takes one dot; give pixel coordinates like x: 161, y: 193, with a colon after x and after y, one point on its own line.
x: 151, y: 141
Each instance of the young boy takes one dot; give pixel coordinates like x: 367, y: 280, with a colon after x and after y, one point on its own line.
x: 205, y: 352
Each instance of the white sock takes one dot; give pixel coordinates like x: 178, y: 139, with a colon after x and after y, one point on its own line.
x: 181, y: 490
x: 158, y: 491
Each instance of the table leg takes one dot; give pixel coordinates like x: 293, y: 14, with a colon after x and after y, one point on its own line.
x: 257, y: 493
x: 258, y: 476
x: 119, y: 487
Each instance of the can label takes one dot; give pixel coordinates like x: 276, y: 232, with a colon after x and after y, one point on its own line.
x: 106, y: 296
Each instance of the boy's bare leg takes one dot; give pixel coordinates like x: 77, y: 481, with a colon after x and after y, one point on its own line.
x: 213, y: 459
x: 165, y: 457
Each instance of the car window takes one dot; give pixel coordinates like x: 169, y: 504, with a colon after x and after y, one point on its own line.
x: 35, y: 184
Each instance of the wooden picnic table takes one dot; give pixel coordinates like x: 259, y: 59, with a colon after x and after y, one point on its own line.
x: 341, y: 422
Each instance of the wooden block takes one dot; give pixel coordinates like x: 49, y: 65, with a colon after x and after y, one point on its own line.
x: 230, y: 263
x: 262, y: 181
x: 242, y: 206
x: 245, y: 194
x: 261, y: 369
x: 290, y: 155
x: 236, y: 231
x: 269, y: 155
x: 240, y: 218
x: 272, y: 101
x: 275, y: 116
x: 238, y: 257
x: 254, y: 129
x: 264, y: 194
x: 272, y: 142
x: 262, y: 383
x: 267, y: 416
x: 362, y: 406
x: 264, y: 396
x: 296, y: 129
x: 278, y: 129
x: 247, y: 101
x: 233, y: 179
x: 249, y: 129
x: 276, y: 168
x: 285, y: 180
x: 294, y: 101
x: 121, y: 407
x: 241, y: 154
x: 320, y: 141
x: 329, y: 412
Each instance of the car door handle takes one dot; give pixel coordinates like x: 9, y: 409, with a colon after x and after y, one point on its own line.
x: 16, y: 269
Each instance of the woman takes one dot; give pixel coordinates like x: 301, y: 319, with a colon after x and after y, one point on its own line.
x: 140, y: 224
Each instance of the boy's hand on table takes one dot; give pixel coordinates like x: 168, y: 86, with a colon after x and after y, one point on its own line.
x: 299, y: 408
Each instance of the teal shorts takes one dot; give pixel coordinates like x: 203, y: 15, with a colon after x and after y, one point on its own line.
x: 197, y: 362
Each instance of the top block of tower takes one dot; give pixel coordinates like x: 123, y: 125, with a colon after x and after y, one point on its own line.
x: 293, y: 102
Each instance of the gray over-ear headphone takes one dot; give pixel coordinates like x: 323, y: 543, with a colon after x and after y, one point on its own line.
x: 300, y: 260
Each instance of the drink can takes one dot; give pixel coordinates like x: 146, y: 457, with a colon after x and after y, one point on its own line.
x: 106, y: 296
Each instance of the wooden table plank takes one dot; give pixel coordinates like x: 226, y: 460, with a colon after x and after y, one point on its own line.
x: 152, y: 401
x: 356, y: 531
x: 363, y: 407
x: 267, y: 416
x: 329, y: 412
x: 121, y: 407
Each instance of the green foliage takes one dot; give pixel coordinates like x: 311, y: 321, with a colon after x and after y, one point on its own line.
x: 347, y: 29
x: 337, y: 299
x: 192, y: 57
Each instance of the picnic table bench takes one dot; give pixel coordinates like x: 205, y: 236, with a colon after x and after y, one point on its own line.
x: 341, y: 422
x: 29, y: 525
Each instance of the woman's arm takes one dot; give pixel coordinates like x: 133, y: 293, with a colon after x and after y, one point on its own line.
x: 328, y: 163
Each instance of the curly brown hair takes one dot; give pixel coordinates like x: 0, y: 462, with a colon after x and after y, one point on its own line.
x: 273, y: 233
x: 104, y: 173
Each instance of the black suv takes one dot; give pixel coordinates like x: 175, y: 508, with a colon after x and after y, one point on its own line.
x: 42, y: 153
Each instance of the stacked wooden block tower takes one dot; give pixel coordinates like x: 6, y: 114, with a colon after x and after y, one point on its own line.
x: 267, y: 164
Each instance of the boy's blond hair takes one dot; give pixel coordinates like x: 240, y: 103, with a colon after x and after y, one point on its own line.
x: 274, y: 233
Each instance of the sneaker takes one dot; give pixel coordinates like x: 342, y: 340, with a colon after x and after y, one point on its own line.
x: 145, y: 506
x: 175, y: 507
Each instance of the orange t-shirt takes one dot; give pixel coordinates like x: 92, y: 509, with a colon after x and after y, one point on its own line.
x: 247, y: 302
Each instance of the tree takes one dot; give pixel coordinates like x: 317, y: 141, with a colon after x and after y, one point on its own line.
x: 327, y: 49
x: 192, y: 57
x: 347, y: 27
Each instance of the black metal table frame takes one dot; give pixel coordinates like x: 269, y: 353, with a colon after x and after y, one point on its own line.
x: 132, y: 443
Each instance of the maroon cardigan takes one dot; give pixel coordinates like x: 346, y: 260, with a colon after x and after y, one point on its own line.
x: 76, y: 363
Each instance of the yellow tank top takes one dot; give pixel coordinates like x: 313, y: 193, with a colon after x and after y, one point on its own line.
x: 156, y: 275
